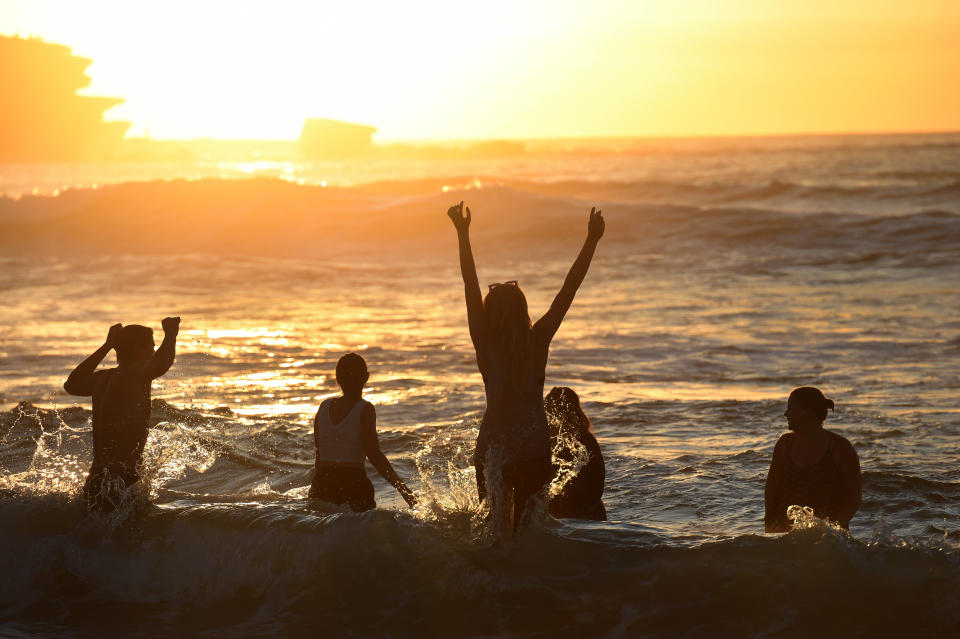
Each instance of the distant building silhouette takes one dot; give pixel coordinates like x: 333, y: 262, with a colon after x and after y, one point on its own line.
x: 41, y: 117
x: 322, y: 138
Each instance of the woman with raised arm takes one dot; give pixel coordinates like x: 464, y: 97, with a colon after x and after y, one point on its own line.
x: 512, y: 457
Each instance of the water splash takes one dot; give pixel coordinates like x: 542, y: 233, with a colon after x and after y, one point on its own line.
x: 448, y: 495
x: 172, y: 450
x: 58, y: 443
x: 569, y: 456
x: 58, y: 451
x: 804, y: 519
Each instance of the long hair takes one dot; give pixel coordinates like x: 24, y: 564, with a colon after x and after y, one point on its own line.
x: 508, y: 324
x: 563, y: 407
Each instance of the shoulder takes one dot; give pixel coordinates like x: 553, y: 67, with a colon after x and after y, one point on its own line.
x: 367, y: 409
x: 540, y: 331
x: 841, y: 446
x: 323, y: 405
x: 368, y: 419
x: 784, y: 440
x: 783, y: 443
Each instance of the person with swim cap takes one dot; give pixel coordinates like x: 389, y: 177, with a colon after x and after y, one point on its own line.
x: 121, y: 406
x: 345, y: 435
x: 581, y: 496
x: 811, y: 466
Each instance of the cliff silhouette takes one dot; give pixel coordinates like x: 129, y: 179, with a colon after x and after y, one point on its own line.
x: 42, y: 119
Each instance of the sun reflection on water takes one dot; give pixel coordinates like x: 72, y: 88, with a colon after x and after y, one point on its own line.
x: 286, y: 409
x: 240, y: 333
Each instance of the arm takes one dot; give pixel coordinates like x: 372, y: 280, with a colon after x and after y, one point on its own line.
x: 163, y: 358
x: 775, y: 515
x: 80, y: 381
x: 849, y: 464
x: 316, y: 437
x: 547, y: 326
x: 371, y: 446
x: 471, y: 285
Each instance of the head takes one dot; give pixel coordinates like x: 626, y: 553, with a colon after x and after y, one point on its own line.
x: 564, y: 412
x: 352, y: 373
x: 807, y: 408
x: 134, y: 345
x: 506, y: 309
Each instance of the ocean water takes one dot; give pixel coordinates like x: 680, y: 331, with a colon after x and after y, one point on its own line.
x: 731, y: 272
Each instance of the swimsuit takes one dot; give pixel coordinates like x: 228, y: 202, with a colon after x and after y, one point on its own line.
x: 514, y: 437
x: 514, y: 421
x: 343, y: 485
x: 819, y: 486
x: 339, y: 476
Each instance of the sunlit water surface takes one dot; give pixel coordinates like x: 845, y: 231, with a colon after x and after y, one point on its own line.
x: 728, y: 276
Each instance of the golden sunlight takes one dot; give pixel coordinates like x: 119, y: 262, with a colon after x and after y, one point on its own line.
x: 440, y: 70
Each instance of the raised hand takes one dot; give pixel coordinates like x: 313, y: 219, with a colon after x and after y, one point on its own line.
x: 171, y: 325
x: 461, y: 221
x: 113, y: 335
x: 596, y: 225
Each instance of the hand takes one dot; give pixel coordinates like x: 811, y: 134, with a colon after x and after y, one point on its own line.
x: 408, y: 497
x: 171, y: 325
x: 461, y: 221
x: 596, y: 225
x: 113, y: 335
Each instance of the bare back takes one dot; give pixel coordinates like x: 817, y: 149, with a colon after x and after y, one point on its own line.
x: 121, y: 419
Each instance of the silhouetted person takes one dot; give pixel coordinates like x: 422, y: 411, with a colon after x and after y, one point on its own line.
x: 345, y: 434
x: 121, y: 406
x: 811, y: 466
x: 514, y: 441
x: 581, y: 496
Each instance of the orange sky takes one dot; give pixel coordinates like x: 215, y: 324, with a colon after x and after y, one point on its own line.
x: 508, y: 68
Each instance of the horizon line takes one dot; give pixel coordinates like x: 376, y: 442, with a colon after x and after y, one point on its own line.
x: 547, y: 138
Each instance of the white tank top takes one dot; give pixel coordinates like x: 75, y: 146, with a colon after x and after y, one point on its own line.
x: 340, y: 443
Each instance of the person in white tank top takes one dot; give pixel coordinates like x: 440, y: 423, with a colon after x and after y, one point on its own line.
x: 345, y: 435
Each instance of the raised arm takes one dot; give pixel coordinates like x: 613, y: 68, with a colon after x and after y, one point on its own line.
x: 162, y: 359
x: 371, y: 446
x: 775, y: 515
x: 849, y: 464
x: 471, y: 285
x: 547, y: 326
x: 80, y: 380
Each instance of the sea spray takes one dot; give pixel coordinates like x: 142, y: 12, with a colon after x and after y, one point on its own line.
x: 569, y: 456
x: 56, y: 452
x: 447, y: 483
